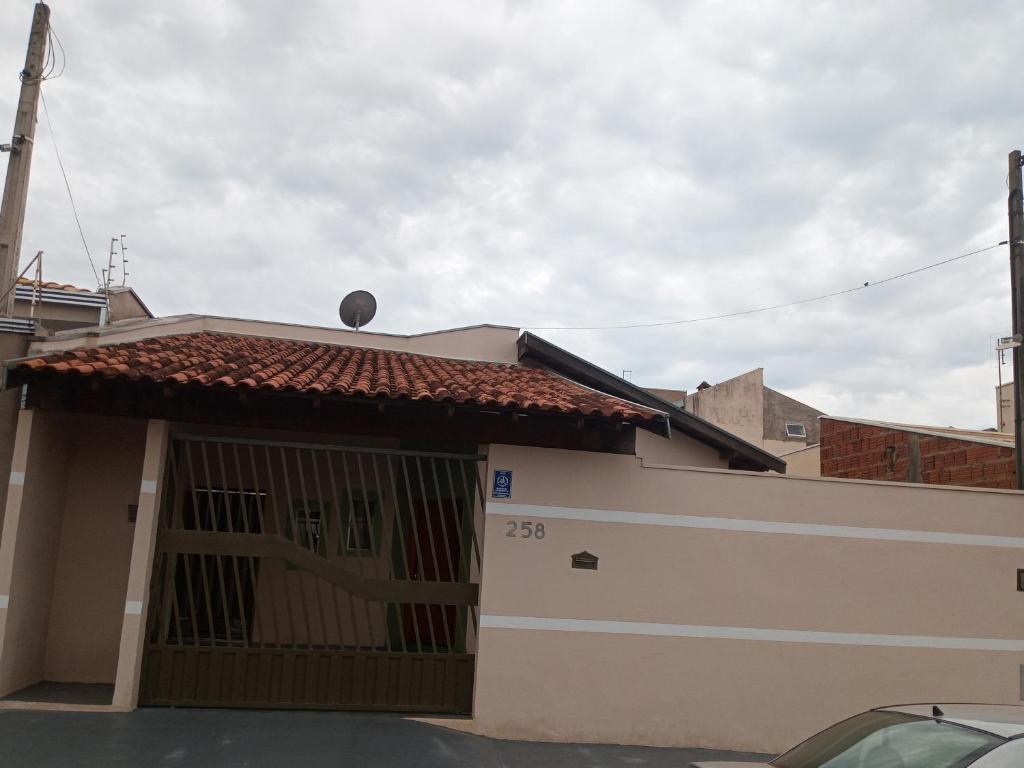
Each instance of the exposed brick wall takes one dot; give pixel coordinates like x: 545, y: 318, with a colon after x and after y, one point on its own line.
x: 884, y: 453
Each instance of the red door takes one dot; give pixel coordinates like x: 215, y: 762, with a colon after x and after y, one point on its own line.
x: 433, y: 553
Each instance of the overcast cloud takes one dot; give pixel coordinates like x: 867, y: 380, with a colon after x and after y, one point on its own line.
x: 558, y: 164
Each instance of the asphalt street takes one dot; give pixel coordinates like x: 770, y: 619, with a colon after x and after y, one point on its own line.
x: 268, y: 739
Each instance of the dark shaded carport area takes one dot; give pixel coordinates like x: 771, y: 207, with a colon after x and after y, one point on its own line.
x: 257, y: 739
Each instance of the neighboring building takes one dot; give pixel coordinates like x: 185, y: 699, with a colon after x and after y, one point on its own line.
x: 881, y: 450
x: 675, y: 396
x: 762, y: 416
x: 61, y: 307
x: 215, y: 512
x: 1005, y: 421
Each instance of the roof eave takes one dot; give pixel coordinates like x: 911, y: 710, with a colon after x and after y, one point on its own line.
x: 535, y: 348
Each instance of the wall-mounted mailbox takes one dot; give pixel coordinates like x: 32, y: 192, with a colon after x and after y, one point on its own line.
x: 584, y: 561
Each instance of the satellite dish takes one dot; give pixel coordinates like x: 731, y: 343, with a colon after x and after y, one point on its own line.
x: 357, y: 309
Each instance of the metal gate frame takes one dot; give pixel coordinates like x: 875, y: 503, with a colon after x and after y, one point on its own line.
x: 372, y: 616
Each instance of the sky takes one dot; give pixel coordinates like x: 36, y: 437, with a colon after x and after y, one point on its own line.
x: 557, y: 164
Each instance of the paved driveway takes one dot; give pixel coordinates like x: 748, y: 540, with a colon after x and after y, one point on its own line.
x: 197, y: 738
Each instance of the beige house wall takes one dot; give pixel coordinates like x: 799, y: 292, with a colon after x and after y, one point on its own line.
x: 678, y: 450
x: 104, y: 466
x: 28, y: 548
x: 11, y: 345
x: 736, y: 405
x: 136, y: 604
x: 66, y: 546
x: 805, y: 462
x: 59, y: 316
x: 733, y: 609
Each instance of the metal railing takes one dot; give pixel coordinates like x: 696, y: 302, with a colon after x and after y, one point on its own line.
x: 310, y: 546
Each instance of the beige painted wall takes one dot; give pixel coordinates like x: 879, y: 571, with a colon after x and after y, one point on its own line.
x: 11, y: 345
x: 87, y: 610
x: 805, y: 462
x: 778, y: 631
x: 678, y: 450
x: 28, y: 550
x: 736, y: 405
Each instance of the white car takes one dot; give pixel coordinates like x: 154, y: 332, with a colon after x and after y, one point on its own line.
x: 912, y: 736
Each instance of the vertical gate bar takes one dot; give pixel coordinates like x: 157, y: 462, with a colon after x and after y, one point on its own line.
x: 457, y: 515
x: 374, y: 551
x: 444, y: 527
x: 419, y: 551
x: 386, y: 608
x: 433, y: 552
x: 465, y: 547
x: 460, y: 573
x: 218, y: 559
x: 170, y: 560
x: 201, y: 558
x: 325, y: 535
x: 240, y: 496
x: 276, y: 516
x: 471, y: 490
x: 258, y: 618
x: 175, y: 609
x: 400, y: 608
x: 341, y: 543
x: 290, y: 509
x: 471, y: 499
x: 314, y: 545
x: 260, y: 513
x: 193, y: 613
x: 262, y: 520
x: 154, y: 621
x: 357, y: 555
x: 445, y: 544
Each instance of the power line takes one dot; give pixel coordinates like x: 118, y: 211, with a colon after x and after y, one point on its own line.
x: 768, y: 308
x: 67, y: 184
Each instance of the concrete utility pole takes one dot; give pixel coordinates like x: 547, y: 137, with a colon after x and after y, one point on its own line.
x: 12, y: 210
x: 1015, y: 205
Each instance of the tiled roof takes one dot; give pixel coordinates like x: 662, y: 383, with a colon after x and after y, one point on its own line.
x: 51, y: 285
x: 285, y: 365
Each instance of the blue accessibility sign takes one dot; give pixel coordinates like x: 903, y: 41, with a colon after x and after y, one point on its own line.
x: 502, y: 488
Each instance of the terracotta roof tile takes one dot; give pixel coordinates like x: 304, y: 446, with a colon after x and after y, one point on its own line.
x: 30, y: 283
x: 285, y: 365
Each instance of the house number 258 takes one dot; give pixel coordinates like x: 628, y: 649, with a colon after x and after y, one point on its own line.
x: 524, y: 529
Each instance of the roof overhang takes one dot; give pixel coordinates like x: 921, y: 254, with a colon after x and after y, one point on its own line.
x: 741, y: 454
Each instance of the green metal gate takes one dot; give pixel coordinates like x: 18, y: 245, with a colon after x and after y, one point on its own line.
x: 313, y: 576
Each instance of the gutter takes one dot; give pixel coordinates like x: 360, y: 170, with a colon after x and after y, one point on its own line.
x: 533, y: 347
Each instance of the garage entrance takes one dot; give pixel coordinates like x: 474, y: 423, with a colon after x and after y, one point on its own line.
x: 293, y: 575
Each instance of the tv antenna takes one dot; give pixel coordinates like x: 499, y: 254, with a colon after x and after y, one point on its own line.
x: 357, y: 309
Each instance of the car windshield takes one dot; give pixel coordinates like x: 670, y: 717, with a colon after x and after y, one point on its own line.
x: 890, y: 740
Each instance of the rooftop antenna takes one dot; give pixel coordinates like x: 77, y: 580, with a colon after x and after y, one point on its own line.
x: 357, y: 309
x: 108, y: 273
x: 124, y: 263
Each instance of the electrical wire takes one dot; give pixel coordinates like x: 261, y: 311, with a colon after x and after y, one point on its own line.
x: 67, y: 185
x: 768, y: 308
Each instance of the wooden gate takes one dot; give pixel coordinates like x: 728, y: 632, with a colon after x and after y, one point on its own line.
x: 317, y: 577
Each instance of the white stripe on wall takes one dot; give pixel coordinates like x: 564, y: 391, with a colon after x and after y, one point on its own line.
x: 148, y: 486
x: 747, y: 633
x: 753, y: 526
x: 133, y: 607
x: 17, y: 478
x: 5, y: 600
